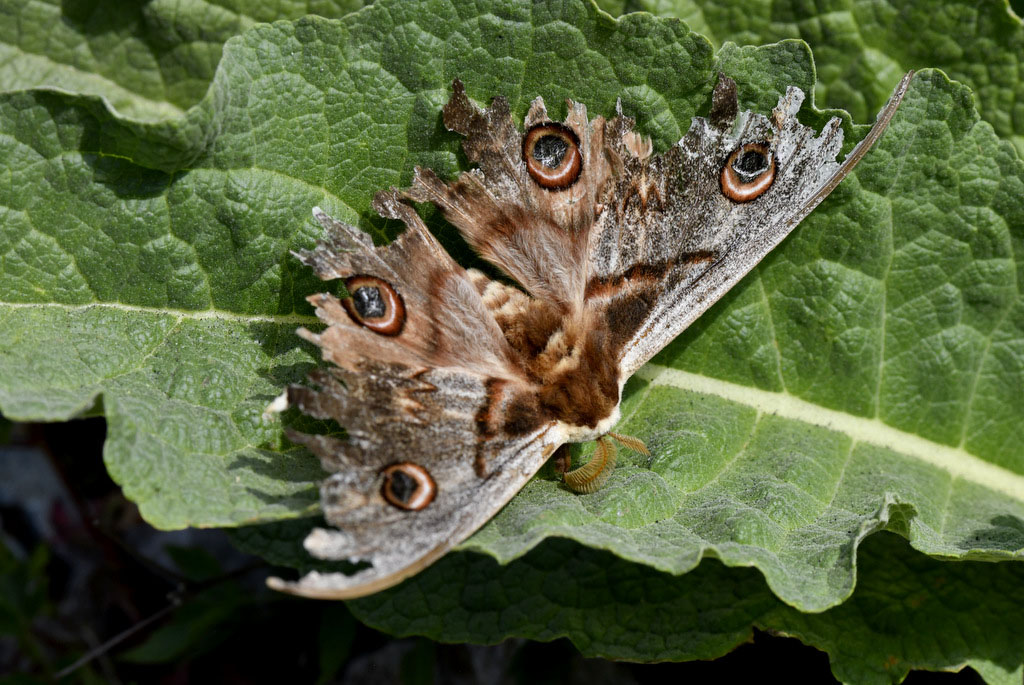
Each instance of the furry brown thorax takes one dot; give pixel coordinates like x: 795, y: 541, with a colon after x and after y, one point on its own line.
x: 564, y: 357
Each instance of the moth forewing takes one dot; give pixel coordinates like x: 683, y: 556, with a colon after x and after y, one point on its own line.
x: 743, y: 231
x: 885, y: 115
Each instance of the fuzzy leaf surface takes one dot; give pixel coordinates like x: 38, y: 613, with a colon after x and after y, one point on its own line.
x: 861, y: 47
x: 865, y: 377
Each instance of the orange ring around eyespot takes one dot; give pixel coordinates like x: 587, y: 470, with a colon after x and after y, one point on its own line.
x: 391, y: 322
x: 423, y: 495
x: 568, y: 170
x: 734, y: 188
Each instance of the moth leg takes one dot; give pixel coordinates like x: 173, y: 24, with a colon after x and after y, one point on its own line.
x: 595, y: 473
x: 562, y: 459
x: 631, y: 443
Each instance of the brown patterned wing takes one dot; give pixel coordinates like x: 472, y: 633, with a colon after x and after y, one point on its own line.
x: 420, y: 470
x: 421, y: 381
x: 680, y: 229
x: 411, y: 303
x: 455, y: 389
x: 531, y: 201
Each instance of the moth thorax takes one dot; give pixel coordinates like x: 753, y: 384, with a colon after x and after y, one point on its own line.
x: 587, y: 433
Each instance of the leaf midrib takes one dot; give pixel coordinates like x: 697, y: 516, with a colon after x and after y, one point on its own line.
x: 194, y: 314
x: 955, y: 461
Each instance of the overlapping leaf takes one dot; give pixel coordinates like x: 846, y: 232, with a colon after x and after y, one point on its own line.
x: 150, y: 59
x: 910, y: 612
x: 861, y: 47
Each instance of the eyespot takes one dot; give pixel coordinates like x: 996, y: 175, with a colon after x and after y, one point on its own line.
x: 749, y: 171
x: 552, y: 155
x: 408, y: 486
x: 373, y: 303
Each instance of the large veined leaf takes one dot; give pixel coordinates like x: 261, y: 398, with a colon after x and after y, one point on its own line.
x: 861, y: 47
x: 908, y: 611
x: 865, y: 377
x: 151, y: 59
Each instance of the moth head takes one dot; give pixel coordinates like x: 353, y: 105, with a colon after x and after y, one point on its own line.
x: 551, y: 152
x: 748, y: 172
x: 408, y: 486
x: 374, y: 304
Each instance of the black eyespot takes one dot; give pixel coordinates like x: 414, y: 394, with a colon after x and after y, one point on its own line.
x: 550, y: 151
x: 750, y: 164
x: 403, y: 486
x: 408, y: 486
x: 368, y: 302
x: 552, y: 155
x: 748, y: 173
x: 373, y: 303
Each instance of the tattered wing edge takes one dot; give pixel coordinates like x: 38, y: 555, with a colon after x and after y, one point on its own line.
x: 885, y: 115
x: 632, y: 361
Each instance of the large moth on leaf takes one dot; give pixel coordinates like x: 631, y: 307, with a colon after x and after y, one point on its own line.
x: 455, y: 388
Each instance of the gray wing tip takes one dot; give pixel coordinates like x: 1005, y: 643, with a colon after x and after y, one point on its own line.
x: 325, y: 219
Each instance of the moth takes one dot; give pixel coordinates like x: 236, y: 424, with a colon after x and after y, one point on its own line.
x: 455, y: 388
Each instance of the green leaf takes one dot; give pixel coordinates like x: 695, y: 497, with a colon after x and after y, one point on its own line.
x: 194, y: 563
x: 862, y: 48
x: 909, y: 611
x: 150, y: 60
x: 865, y: 377
x: 174, y: 239
x: 336, y: 632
